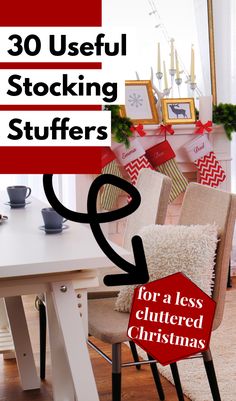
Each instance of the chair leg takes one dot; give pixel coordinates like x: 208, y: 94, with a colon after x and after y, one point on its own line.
x: 229, y: 282
x: 156, y: 378
x: 42, y: 335
x: 211, y: 375
x: 135, y: 354
x: 178, y: 387
x: 116, y: 372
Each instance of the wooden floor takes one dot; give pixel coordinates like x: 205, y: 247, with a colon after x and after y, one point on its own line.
x: 136, y: 385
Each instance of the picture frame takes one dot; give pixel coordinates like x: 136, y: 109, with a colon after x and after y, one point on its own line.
x: 178, y: 111
x: 140, y: 104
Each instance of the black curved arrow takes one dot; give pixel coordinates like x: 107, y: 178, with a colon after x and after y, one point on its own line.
x: 137, y: 273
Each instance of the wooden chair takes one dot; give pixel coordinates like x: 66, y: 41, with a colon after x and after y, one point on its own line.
x: 105, y: 323
x: 205, y: 205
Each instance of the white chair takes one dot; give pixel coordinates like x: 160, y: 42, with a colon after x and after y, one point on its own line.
x: 154, y: 189
x: 206, y: 205
x: 105, y: 323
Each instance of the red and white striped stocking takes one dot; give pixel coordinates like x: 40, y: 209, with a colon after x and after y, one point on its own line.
x: 133, y: 159
x: 162, y: 158
x: 209, y: 169
x: 133, y: 168
x: 109, y: 193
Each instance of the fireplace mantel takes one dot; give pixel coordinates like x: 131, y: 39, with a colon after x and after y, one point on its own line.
x: 183, y: 134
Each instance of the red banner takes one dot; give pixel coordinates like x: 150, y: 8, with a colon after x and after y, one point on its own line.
x: 50, y: 160
x: 51, y: 13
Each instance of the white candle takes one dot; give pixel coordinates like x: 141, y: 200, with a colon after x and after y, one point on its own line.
x: 159, y: 58
x: 177, y: 65
x: 165, y: 76
x: 172, y: 54
x: 205, y: 109
x: 192, y: 69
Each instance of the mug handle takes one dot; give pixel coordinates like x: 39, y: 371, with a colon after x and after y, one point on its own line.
x: 28, y: 193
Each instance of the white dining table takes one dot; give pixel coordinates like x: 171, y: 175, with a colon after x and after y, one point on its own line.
x: 33, y: 262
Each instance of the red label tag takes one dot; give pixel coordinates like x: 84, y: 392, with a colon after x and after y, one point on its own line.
x: 160, y: 153
x: 171, y: 318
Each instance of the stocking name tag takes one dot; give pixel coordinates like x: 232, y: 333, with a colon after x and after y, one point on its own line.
x: 198, y: 147
x: 126, y: 156
x: 160, y: 153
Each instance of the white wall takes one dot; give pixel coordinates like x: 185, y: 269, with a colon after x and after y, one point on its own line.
x: 223, y: 45
x: 225, y: 49
x: 177, y: 20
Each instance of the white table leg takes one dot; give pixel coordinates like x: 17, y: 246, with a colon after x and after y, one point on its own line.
x: 63, y: 388
x: 23, y: 349
x: 6, y: 342
x: 4, y: 324
x: 65, y: 303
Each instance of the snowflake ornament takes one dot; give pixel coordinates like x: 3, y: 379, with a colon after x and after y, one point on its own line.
x: 135, y: 100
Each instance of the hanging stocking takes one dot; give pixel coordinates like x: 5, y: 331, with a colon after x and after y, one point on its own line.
x: 201, y: 154
x: 133, y: 159
x: 161, y: 156
x: 109, y: 193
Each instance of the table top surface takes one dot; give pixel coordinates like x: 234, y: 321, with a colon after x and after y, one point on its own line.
x: 27, y: 250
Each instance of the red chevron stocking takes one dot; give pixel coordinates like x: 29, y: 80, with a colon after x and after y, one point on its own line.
x: 133, y: 159
x: 201, y: 154
x: 210, y: 171
x: 133, y: 168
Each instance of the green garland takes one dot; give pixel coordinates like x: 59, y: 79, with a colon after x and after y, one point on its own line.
x: 120, y: 126
x: 225, y: 114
